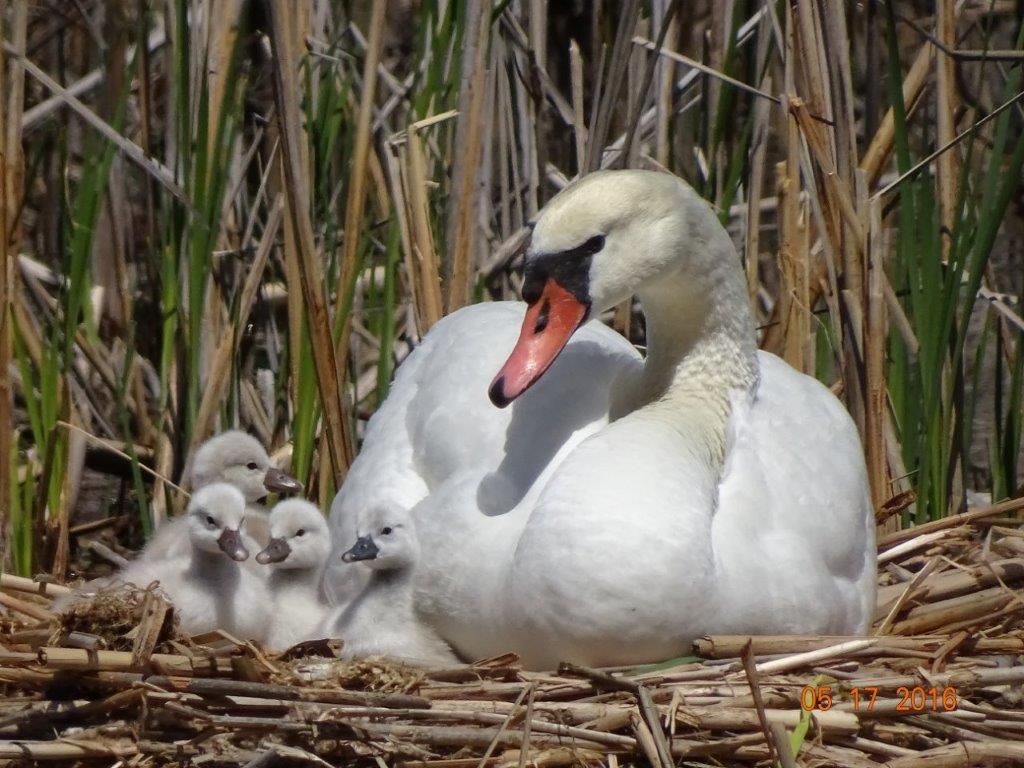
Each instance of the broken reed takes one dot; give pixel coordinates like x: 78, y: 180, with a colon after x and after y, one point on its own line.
x: 350, y: 162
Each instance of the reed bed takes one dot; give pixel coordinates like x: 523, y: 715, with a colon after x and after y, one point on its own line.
x: 247, y: 214
x: 939, y: 682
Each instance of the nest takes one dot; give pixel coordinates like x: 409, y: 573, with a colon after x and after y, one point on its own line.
x: 114, y: 616
x: 938, y: 683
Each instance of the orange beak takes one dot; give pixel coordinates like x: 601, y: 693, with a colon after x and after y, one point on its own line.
x: 549, y: 323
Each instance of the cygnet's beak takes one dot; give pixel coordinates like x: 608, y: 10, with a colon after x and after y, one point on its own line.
x: 364, y: 549
x: 230, y: 543
x: 276, y: 551
x: 549, y: 322
x: 277, y: 481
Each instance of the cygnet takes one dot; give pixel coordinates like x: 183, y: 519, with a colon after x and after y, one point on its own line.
x: 382, y: 620
x: 300, y: 542
x: 206, y: 584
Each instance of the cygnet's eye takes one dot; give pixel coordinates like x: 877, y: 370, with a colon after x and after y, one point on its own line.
x: 252, y: 465
x: 210, y: 521
x: 300, y: 532
x: 385, y: 531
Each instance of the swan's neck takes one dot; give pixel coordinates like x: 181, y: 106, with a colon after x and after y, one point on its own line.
x: 701, y: 352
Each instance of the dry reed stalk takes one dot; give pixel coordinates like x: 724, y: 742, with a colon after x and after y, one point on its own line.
x: 155, y: 613
x: 904, y: 597
x: 877, y: 153
x: 306, y: 264
x: 13, y: 583
x: 754, y: 190
x: 216, y: 52
x: 751, y: 673
x: 839, y: 199
x: 461, y: 230
x: 459, y: 736
x: 25, y: 608
x: 993, y: 510
x: 12, y: 90
x: 876, y: 335
x: 666, y: 80
x: 967, y: 579
x: 730, y: 646
x: 600, y: 125
x: 947, y: 167
x: 53, y: 658
x: 422, y: 260
x: 962, y: 755
x: 67, y: 749
x: 225, y: 686
x: 220, y: 361
x: 645, y: 739
x: 789, y: 335
x: 579, y: 123
x: 356, y: 201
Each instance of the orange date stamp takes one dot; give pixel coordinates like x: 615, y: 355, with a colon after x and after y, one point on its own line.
x: 916, y: 699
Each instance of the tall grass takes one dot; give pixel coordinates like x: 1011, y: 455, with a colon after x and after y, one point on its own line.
x: 279, y: 201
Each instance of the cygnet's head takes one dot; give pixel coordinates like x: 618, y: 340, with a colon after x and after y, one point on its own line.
x: 238, y: 458
x: 215, y: 516
x: 299, y: 537
x: 387, y: 539
x: 599, y: 241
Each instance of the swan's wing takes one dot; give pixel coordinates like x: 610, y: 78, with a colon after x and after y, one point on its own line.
x: 438, y: 422
x: 794, y: 529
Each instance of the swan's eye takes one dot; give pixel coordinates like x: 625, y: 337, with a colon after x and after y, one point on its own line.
x: 385, y: 531
x: 593, y: 245
x: 210, y: 521
x: 300, y: 532
x: 252, y: 465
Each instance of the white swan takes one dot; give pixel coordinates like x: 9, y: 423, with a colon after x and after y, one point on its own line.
x: 381, y: 620
x: 296, y: 553
x: 727, y: 494
x: 207, y: 584
x: 438, y: 422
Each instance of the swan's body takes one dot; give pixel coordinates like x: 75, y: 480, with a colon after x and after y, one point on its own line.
x: 438, y: 423
x: 207, y: 583
x: 720, y: 491
x: 381, y: 620
x: 295, y: 556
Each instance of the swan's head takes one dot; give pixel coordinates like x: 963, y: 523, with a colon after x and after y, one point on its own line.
x: 215, y: 516
x: 598, y: 242
x: 299, y: 537
x: 386, y: 539
x: 238, y: 458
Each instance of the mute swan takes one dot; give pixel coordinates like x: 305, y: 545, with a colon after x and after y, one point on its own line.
x: 299, y: 544
x: 207, y: 585
x: 721, y: 491
x: 381, y: 620
x: 438, y: 422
